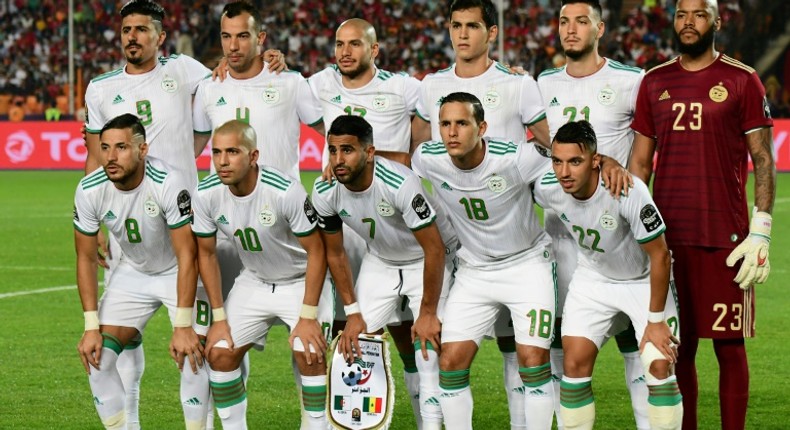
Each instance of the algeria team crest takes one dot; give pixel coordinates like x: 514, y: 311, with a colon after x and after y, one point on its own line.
x: 271, y: 95
x: 169, y: 84
x: 361, y: 393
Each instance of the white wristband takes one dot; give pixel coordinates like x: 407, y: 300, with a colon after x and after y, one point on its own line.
x: 183, y: 317
x: 352, y: 309
x: 91, y: 320
x: 309, y: 312
x: 218, y: 314
x: 655, y: 317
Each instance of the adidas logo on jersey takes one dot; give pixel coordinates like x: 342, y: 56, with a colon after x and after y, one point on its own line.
x: 336, y: 99
x: 444, y: 186
x: 564, y: 218
x: 109, y: 216
x: 118, y: 99
x: 222, y: 220
x: 343, y: 213
x: 554, y: 102
x: 664, y: 96
x: 221, y: 101
x: 193, y: 402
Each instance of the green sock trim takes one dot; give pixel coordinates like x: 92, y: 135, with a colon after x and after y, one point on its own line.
x: 409, y: 363
x: 535, y: 376
x: 111, y: 342
x: 453, y: 379
x: 574, y: 396
x: 664, y: 395
x: 506, y: 344
x: 314, y: 398
x: 227, y: 394
x: 428, y: 345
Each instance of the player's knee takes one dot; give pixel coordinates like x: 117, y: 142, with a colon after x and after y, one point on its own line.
x: 454, y: 357
x: 532, y: 356
x: 656, y: 366
x: 221, y: 359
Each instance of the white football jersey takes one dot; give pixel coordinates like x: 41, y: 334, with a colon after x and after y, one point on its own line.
x: 608, y: 231
x: 263, y: 225
x: 606, y: 99
x: 386, y: 214
x: 490, y: 206
x: 162, y: 98
x: 274, y: 105
x: 139, y: 219
x: 387, y: 103
x: 510, y: 101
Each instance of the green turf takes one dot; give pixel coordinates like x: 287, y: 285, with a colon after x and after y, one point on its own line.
x: 44, y: 385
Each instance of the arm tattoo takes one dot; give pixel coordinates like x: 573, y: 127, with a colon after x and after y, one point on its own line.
x: 760, y: 145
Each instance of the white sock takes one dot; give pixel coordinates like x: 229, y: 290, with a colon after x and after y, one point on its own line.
x: 557, y: 371
x: 195, y: 396
x: 635, y: 381
x: 131, y: 365
x: 514, y: 387
x: 314, y: 401
x: 430, y: 410
x: 230, y: 398
x: 538, y: 396
x: 456, y: 399
x: 305, y: 420
x: 107, y: 388
x: 210, y: 412
x: 412, y: 380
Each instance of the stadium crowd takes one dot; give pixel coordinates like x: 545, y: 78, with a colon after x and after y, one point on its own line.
x: 412, y: 33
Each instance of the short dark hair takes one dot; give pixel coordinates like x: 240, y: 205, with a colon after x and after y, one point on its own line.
x: 352, y: 125
x: 232, y: 10
x: 477, y: 106
x: 580, y: 133
x: 122, y: 122
x: 147, y: 8
x: 487, y: 9
x: 595, y: 4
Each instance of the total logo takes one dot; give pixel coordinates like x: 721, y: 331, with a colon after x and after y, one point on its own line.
x: 20, y: 146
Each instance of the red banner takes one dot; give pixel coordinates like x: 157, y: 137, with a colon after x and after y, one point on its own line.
x: 39, y: 145
x: 42, y: 145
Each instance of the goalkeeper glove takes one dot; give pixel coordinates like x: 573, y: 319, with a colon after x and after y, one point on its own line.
x: 754, y: 251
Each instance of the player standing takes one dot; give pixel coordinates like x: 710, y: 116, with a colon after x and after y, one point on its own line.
x: 410, y: 249
x: 261, y: 208
x: 147, y: 208
x: 481, y: 183
x: 705, y: 113
x: 602, y: 91
x: 623, y: 268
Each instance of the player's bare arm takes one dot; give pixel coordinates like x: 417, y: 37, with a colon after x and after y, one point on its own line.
x: 427, y: 327
x: 201, y: 140
x: 761, y: 149
x: 396, y: 156
x: 185, y: 342
x: 308, y: 330
x: 90, y: 345
x: 420, y: 132
x: 339, y: 267
x: 540, y: 131
x: 641, y: 163
x: 659, y: 333
x: 208, y: 266
x: 319, y: 127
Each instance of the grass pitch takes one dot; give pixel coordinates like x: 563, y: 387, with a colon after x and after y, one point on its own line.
x: 44, y: 385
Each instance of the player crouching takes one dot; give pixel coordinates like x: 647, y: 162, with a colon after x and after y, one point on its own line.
x: 272, y: 224
x: 624, y: 268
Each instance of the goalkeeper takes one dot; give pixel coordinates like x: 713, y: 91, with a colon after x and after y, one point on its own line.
x: 704, y: 113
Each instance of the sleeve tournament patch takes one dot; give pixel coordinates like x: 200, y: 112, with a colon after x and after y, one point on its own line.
x: 421, y: 207
x: 184, y: 201
x: 309, y: 211
x: 650, y: 218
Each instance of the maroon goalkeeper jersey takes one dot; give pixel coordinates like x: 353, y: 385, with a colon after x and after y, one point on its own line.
x: 700, y: 120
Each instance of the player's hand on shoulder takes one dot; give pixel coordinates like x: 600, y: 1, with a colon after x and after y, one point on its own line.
x: 661, y: 336
x: 427, y: 328
x: 276, y: 60
x: 185, y: 344
x: 615, y: 177
x: 312, y: 338
x: 89, y: 348
x: 221, y: 71
x: 328, y: 175
x: 349, y: 337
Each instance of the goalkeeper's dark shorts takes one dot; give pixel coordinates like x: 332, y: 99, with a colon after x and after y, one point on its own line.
x: 711, y: 305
